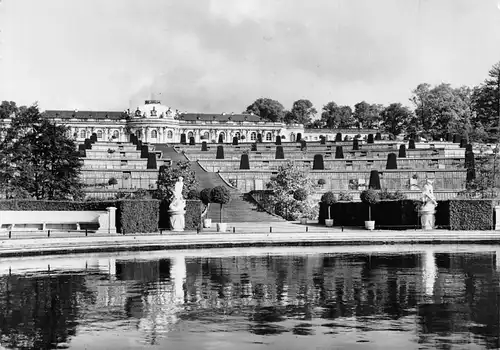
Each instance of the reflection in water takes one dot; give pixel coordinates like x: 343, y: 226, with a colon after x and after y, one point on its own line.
x: 427, y: 300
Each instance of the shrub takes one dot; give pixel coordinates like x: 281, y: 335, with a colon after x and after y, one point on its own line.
x: 235, y: 141
x: 112, y: 182
x: 346, y: 197
x: 299, y: 137
x: 193, y: 194
x: 183, y: 139
x: 244, y: 162
x: 221, y: 139
x: 221, y: 195
x: 280, y: 154
x: 253, y: 147
x: 392, y: 196
x: 392, y: 162
x: 278, y: 140
x: 402, y: 151
x: 191, y: 141
x: 303, y: 145
x: 192, y: 218
x: 470, y: 163
x: 318, y: 163
x: 370, y: 138
x: 321, y: 182
x: 369, y: 197
x: 457, y: 138
x: 144, y: 151
x: 300, y: 195
x: 206, y: 195
x: 374, y: 182
x: 259, y: 138
x: 322, y: 139
x: 411, y: 144
x: 339, y: 152
x: 355, y: 145
x: 204, y: 147
x: 220, y: 152
x: 378, y: 136
x: 152, y: 161
x: 139, y: 145
x: 470, y: 215
x: 168, y: 177
x: 328, y: 199
x: 138, y: 216
x: 338, y: 137
x: 463, y: 142
x: 42, y: 205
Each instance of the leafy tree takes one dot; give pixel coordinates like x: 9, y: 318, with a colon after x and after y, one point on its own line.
x: 302, y: 112
x: 367, y: 115
x: 169, y: 175
x: 267, y: 109
x: 396, y: 118
x: 7, y: 108
x: 370, y: 197
x: 335, y: 116
x: 486, y: 99
x: 328, y: 199
x: 289, y: 182
x: 221, y: 195
x: 38, y: 159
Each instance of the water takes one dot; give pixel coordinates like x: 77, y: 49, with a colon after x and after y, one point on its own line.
x: 392, y: 297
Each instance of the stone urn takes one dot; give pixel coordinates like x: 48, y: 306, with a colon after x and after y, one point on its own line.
x: 427, y: 216
x: 177, y: 222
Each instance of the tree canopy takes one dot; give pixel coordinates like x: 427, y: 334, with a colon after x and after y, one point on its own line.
x: 267, y: 109
x: 396, y: 118
x: 168, y: 176
x: 367, y: 115
x: 335, y: 116
x: 302, y: 112
x: 38, y: 158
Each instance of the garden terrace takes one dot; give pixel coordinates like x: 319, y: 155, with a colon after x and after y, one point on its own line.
x: 430, y: 163
x: 448, y: 181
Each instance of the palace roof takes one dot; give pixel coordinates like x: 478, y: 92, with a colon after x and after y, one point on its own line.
x: 206, y: 117
x: 67, y: 114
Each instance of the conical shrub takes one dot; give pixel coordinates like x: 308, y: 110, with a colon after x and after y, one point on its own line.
x: 318, y: 163
x: 339, y: 152
x: 392, y: 162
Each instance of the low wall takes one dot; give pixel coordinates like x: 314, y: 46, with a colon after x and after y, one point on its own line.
x: 99, y: 221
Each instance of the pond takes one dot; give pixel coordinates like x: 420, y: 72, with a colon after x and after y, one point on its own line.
x: 391, y: 297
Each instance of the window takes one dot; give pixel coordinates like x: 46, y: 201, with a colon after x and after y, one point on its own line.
x: 170, y: 134
x: 116, y: 134
x: 83, y: 134
x: 139, y: 134
x: 223, y: 136
x: 206, y: 135
x: 237, y: 135
x: 253, y: 136
x: 269, y: 136
x: 154, y: 134
x: 99, y: 134
x: 190, y: 134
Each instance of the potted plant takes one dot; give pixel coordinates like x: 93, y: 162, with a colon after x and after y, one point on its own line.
x: 221, y: 195
x: 328, y: 199
x: 205, y: 197
x: 370, y: 197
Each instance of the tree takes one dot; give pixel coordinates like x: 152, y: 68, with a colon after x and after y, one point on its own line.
x: 7, y: 109
x: 169, y: 175
x: 221, y: 195
x: 367, y: 115
x: 328, y: 199
x: 302, y: 112
x: 486, y: 100
x: 396, y: 118
x: 38, y: 159
x: 284, y: 186
x: 267, y: 109
x: 370, y: 197
x: 335, y: 116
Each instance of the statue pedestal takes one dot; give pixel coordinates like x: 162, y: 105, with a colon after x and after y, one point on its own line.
x: 176, y: 220
x: 427, y: 218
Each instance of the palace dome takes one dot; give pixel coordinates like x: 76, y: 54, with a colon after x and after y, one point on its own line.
x: 152, y: 109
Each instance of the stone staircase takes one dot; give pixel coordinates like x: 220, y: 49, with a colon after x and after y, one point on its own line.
x: 241, y: 209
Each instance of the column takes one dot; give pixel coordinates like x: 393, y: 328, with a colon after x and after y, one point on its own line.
x: 111, y: 220
x: 178, y: 276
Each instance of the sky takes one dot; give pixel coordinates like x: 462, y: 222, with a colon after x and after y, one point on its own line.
x: 219, y: 56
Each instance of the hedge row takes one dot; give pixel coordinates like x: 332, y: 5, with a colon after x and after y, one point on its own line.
x: 453, y: 214
x: 132, y: 215
x: 192, y: 218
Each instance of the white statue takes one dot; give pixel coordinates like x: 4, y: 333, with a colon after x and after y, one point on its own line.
x: 177, y: 207
x: 428, y: 208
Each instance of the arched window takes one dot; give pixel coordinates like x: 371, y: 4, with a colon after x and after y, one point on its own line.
x: 253, y: 136
x: 99, y: 134
x: 83, y: 134
x: 154, y: 134
x: 116, y: 134
x: 139, y: 134
x: 190, y: 134
x: 170, y: 134
x: 223, y: 135
x: 206, y: 135
x: 269, y: 137
x: 238, y: 136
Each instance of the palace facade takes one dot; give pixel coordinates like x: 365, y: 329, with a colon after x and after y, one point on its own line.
x: 154, y: 122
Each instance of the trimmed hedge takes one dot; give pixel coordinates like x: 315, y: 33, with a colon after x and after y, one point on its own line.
x: 137, y: 215
x: 204, y: 146
x: 183, y: 139
x: 474, y: 214
x: 402, y: 151
x: 392, y: 162
x: 152, y: 161
x: 244, y: 162
x: 192, y: 218
x: 318, y: 163
x: 41, y: 205
x: 355, y: 145
x: 339, y: 152
x: 280, y: 153
x: 192, y: 142
x: 144, y: 151
x: 259, y: 138
x: 370, y: 138
x: 278, y: 140
x: 299, y: 137
x: 235, y: 141
x: 220, y: 152
x: 338, y: 137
